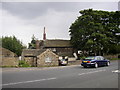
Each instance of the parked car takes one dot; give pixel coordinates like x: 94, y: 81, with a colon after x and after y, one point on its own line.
x: 63, y: 60
x: 95, y: 61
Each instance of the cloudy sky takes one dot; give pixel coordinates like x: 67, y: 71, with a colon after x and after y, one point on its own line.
x: 23, y: 19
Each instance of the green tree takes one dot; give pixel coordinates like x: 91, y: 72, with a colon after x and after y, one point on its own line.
x: 32, y: 45
x: 13, y: 44
x: 94, y: 31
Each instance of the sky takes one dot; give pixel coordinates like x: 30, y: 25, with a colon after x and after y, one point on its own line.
x: 23, y: 19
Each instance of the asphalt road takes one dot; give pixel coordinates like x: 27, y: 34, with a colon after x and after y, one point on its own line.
x: 62, y: 77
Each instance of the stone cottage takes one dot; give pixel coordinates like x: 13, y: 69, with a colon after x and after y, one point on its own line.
x: 59, y: 46
x: 40, y: 57
x: 8, y: 58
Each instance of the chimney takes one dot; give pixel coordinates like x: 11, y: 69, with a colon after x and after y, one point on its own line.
x: 37, y: 44
x: 44, y: 35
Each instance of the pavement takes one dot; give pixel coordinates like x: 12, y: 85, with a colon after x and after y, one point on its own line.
x: 74, y: 76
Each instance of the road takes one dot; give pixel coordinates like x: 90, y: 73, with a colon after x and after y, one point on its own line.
x: 62, y: 77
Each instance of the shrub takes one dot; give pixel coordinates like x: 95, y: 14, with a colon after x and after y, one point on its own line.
x: 22, y: 63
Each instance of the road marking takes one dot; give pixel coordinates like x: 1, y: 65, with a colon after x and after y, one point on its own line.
x: 81, y: 74
x: 116, y: 71
x: 28, y: 81
x: 91, y: 72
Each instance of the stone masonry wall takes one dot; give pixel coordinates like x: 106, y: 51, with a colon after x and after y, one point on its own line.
x: 10, y: 61
x: 8, y: 58
x: 47, y: 58
x: 111, y: 56
x: 30, y: 61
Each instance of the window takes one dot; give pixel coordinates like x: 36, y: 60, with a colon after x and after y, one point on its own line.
x: 98, y: 58
x: 89, y: 58
x: 48, y: 59
x: 102, y: 58
x: 54, y: 50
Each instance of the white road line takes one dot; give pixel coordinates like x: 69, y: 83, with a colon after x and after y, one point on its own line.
x: 28, y: 81
x: 91, y: 72
x: 116, y: 71
x: 81, y: 74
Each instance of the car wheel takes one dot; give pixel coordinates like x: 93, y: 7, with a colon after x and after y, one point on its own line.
x: 108, y: 63
x: 96, y: 65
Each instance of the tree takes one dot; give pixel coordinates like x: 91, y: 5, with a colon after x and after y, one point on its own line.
x: 32, y: 45
x: 13, y: 44
x: 94, y: 31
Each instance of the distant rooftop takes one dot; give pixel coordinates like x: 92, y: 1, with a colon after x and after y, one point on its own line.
x: 32, y: 52
x: 57, y: 43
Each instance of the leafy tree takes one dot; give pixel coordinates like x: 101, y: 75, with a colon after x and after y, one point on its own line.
x: 13, y: 44
x: 32, y: 45
x: 95, y: 31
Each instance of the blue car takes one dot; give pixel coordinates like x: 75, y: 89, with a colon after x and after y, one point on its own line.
x: 95, y: 61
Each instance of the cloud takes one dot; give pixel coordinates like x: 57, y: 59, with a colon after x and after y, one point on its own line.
x: 12, y: 25
x: 56, y: 23
x: 30, y: 10
x: 106, y: 6
x: 23, y: 19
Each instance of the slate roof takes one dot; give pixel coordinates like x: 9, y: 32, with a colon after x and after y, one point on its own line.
x: 57, y: 43
x: 7, y: 53
x: 32, y: 52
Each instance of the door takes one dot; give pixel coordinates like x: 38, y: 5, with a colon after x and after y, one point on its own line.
x: 99, y: 61
x: 34, y: 62
x: 103, y: 61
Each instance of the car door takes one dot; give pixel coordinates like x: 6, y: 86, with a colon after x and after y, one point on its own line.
x: 104, y: 61
x: 99, y: 61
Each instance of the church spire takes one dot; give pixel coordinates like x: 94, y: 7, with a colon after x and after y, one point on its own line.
x: 44, y: 35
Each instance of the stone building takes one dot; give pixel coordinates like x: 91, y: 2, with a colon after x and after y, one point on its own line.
x: 59, y: 46
x: 40, y: 57
x: 8, y: 58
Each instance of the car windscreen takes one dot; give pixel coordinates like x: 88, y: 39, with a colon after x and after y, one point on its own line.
x: 89, y: 58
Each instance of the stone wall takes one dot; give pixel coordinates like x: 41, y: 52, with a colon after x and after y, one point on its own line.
x: 76, y: 62
x: 30, y: 61
x: 47, y: 58
x: 9, y: 61
x: 73, y: 61
x: 111, y: 56
x: 8, y: 58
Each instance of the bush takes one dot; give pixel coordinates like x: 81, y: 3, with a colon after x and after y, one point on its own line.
x: 83, y: 57
x: 113, y: 59
x: 22, y: 63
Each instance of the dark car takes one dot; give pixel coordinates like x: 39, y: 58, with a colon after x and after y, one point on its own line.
x: 95, y: 61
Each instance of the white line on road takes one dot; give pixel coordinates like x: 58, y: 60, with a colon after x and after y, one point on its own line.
x: 28, y: 81
x: 91, y: 72
x: 116, y: 71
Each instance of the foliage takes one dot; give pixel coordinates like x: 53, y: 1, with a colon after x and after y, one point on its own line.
x: 13, y: 44
x: 113, y: 59
x: 95, y: 31
x: 32, y: 45
x: 22, y: 63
